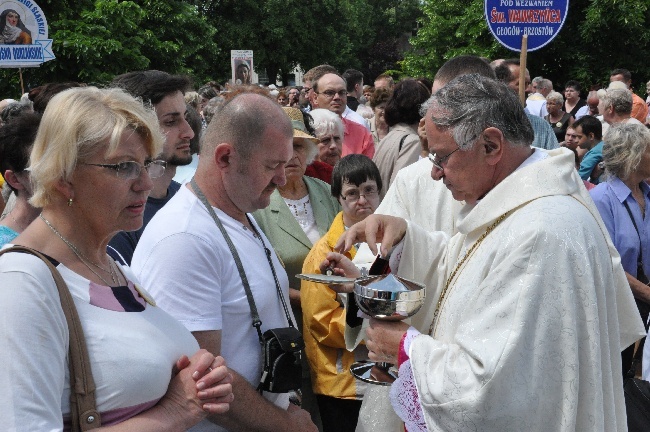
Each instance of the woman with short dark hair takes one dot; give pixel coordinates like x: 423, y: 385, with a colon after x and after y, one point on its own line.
x: 401, y: 147
x: 205, y: 93
x: 283, y: 98
x: 572, y: 100
x: 16, y: 139
x: 356, y: 184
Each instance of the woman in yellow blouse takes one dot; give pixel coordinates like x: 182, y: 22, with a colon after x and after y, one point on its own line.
x: 356, y: 184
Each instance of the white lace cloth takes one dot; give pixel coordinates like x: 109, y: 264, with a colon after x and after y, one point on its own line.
x: 304, y: 214
x: 404, y: 394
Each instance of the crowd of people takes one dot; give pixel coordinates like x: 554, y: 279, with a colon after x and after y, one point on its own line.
x: 178, y: 217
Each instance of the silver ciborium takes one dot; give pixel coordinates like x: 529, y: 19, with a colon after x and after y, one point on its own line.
x: 388, y: 298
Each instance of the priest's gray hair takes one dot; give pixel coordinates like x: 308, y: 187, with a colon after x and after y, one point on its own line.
x: 625, y: 145
x: 469, y: 104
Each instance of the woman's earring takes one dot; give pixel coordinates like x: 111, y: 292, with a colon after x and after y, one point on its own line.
x: 70, y: 202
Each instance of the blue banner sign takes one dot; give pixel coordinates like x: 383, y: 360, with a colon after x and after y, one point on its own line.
x: 510, y: 20
x: 23, y: 35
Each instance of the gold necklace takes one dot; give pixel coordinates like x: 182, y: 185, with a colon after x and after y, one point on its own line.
x: 434, y: 323
x: 85, y: 260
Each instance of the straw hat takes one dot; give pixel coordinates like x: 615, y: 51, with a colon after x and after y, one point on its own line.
x: 298, y: 124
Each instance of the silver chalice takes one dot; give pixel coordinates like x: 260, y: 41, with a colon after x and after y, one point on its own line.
x: 389, y: 298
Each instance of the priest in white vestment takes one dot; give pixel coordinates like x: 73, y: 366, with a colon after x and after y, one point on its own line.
x: 530, y: 305
x: 416, y: 197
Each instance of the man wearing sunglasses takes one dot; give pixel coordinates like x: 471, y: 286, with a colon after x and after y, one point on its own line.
x: 165, y: 93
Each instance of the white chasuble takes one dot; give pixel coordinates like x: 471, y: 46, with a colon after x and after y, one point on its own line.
x: 531, y: 328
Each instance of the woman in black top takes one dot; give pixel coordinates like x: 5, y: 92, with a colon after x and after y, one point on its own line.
x: 557, y: 117
x: 573, y: 100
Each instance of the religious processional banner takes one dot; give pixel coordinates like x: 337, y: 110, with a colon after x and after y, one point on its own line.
x: 541, y: 20
x: 23, y: 35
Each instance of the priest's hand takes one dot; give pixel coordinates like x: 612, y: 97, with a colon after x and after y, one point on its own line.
x: 383, y: 339
x: 376, y: 228
x: 340, y: 265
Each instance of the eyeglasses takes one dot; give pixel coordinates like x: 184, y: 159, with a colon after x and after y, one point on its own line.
x: 306, y: 89
x: 354, y: 195
x: 329, y: 94
x: 131, y: 170
x: 438, y: 162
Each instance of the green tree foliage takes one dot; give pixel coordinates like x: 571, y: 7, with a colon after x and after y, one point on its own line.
x: 283, y: 34
x: 598, y: 35
x: 286, y: 33
x: 94, y: 41
x: 179, y: 39
x: 392, y: 22
x: 449, y: 28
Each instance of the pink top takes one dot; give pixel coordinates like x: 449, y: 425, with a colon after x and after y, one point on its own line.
x: 357, y: 139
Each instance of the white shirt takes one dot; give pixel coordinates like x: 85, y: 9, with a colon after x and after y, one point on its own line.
x: 583, y: 111
x: 131, y: 353
x: 184, y: 173
x: 355, y: 117
x: 185, y: 259
x: 536, y: 105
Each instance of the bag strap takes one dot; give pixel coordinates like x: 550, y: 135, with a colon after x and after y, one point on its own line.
x: 83, y: 407
x: 639, y: 262
x: 637, y: 355
x: 278, y: 289
x: 401, y: 142
x: 257, y: 323
x: 629, y: 211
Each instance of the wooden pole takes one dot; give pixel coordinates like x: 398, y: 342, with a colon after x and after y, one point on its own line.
x: 522, y: 69
x: 22, y: 84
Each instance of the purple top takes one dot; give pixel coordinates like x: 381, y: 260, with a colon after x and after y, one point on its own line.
x: 609, y: 197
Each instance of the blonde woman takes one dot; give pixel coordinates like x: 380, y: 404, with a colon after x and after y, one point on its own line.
x: 91, y: 169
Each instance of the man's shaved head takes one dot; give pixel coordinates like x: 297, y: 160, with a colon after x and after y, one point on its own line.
x: 242, y: 122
